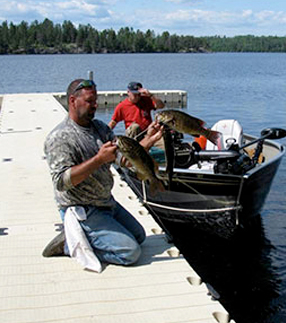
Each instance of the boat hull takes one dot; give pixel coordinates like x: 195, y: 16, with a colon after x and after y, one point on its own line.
x: 216, y: 203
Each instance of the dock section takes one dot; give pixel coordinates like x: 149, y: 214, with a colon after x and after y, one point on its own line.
x: 110, y: 99
x: 161, y: 288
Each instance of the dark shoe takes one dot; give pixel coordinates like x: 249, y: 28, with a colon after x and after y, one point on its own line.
x: 56, y: 246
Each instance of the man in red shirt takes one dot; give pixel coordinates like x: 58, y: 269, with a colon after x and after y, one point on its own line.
x: 136, y: 109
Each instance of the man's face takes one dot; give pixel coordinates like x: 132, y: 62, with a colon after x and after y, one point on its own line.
x: 133, y: 97
x: 83, y: 106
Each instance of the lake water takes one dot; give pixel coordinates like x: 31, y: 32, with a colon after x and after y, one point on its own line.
x: 249, y: 275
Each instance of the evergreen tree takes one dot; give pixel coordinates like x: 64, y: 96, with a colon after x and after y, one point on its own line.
x: 46, y: 37
x: 4, y: 38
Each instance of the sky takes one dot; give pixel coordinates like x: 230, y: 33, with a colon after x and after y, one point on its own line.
x: 182, y: 17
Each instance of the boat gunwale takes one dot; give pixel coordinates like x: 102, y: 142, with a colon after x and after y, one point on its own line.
x: 268, y: 142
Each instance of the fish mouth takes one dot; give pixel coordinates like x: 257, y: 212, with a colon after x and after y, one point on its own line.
x: 164, y: 123
x: 158, y: 117
x: 163, y: 120
x: 123, y: 146
x: 119, y: 144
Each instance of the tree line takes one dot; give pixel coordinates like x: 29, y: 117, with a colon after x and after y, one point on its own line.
x: 46, y: 37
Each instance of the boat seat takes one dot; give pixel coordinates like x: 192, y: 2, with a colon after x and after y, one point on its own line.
x: 231, y: 133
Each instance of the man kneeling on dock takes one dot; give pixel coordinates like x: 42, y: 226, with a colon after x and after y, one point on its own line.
x: 79, y: 152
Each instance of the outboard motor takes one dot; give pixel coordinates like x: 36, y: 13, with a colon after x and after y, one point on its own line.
x: 231, y: 140
x: 231, y: 133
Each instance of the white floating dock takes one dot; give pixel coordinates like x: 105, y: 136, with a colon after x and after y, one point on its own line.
x: 171, y: 98
x: 160, y: 288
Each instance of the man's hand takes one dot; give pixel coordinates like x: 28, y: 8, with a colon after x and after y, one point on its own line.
x: 154, y: 133
x: 158, y: 103
x: 107, y: 152
x: 112, y: 124
x: 145, y: 92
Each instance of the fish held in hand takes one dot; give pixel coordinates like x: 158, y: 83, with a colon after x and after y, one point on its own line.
x: 185, y: 123
x: 140, y: 159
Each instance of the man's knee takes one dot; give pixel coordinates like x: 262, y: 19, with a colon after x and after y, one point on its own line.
x: 131, y: 256
x: 115, y: 248
x: 126, y: 252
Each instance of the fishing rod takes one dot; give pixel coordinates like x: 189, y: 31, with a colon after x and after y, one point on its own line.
x: 145, y: 131
x: 141, y: 133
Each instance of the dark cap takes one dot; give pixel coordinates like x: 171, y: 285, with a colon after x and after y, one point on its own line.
x: 134, y: 87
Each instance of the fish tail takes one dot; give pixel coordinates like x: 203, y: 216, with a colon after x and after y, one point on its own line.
x: 214, y: 137
x: 156, y: 186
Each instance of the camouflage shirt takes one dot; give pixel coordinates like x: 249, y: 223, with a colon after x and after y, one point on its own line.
x: 70, y: 144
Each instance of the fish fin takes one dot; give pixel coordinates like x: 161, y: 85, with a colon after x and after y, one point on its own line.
x: 214, y: 137
x: 156, y: 165
x: 201, y: 122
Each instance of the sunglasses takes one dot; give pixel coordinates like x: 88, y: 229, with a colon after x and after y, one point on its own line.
x: 84, y: 84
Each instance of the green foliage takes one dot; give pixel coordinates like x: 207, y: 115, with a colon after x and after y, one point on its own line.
x: 47, y: 37
x: 247, y: 43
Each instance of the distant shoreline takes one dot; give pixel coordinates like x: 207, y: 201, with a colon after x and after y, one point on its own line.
x: 51, y: 51
x: 49, y: 38
x: 55, y: 51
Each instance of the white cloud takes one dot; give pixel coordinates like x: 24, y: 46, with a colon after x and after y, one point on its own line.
x: 176, y: 16
x: 201, y: 16
x: 266, y: 15
x: 247, y: 13
x: 21, y: 7
x: 235, y: 22
x: 40, y: 10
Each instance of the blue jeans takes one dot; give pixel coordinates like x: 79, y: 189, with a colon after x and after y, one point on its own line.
x: 114, y: 234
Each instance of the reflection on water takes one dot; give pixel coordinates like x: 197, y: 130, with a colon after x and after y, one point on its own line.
x: 240, y: 270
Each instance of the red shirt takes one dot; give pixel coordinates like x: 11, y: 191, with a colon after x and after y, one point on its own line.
x: 129, y: 112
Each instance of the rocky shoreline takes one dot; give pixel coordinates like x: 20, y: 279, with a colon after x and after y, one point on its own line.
x: 76, y: 50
